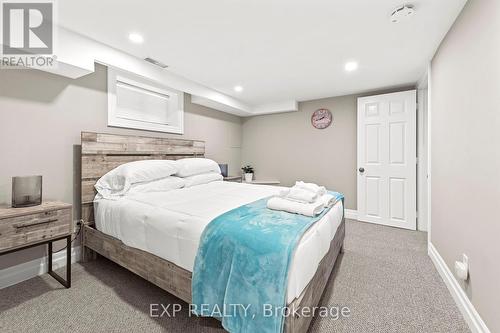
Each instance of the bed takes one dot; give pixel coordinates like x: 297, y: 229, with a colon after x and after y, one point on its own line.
x: 156, y: 235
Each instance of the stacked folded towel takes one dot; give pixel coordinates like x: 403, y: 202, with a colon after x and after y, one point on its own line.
x: 304, y: 198
x: 308, y: 209
x: 298, y: 195
x: 311, y: 187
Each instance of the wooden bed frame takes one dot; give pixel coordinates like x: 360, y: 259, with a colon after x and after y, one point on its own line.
x: 103, y: 152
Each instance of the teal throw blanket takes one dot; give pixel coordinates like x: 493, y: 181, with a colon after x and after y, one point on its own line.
x: 240, y: 274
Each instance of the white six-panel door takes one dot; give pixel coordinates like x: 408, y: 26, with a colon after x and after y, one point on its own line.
x: 387, y: 172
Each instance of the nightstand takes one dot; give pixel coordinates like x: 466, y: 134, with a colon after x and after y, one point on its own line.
x: 22, y: 228
x: 264, y: 182
x: 236, y: 179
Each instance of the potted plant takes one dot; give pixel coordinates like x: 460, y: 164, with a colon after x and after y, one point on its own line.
x: 248, y: 172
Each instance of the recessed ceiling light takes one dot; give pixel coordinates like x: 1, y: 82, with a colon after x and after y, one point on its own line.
x: 351, y: 66
x: 136, y: 38
x: 238, y: 88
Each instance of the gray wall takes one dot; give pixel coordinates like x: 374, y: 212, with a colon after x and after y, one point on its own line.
x: 465, y: 99
x: 286, y: 147
x: 42, y: 115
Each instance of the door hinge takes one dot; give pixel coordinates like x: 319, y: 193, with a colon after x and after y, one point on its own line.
x: 416, y: 160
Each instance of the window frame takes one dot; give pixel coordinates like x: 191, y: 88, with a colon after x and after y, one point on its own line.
x: 176, y: 103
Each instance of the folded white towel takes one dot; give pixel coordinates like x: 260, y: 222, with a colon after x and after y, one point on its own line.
x: 300, y: 195
x: 319, y: 190
x: 284, y: 192
x: 307, y: 209
x: 327, y: 200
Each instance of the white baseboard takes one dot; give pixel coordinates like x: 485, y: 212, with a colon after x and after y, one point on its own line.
x: 351, y: 214
x: 472, y: 317
x: 25, y: 271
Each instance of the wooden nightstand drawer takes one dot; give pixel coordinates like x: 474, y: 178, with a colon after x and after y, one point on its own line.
x: 17, y: 231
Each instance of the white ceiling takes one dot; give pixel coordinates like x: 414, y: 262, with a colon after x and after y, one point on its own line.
x: 278, y: 50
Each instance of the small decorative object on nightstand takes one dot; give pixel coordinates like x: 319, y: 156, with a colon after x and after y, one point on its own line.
x: 26, y: 191
x: 236, y: 179
x: 22, y: 228
x: 248, y: 172
x: 223, y: 170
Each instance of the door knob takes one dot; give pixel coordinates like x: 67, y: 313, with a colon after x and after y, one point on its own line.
x: 361, y: 169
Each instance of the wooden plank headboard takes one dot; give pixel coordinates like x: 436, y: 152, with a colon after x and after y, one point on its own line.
x: 104, y: 152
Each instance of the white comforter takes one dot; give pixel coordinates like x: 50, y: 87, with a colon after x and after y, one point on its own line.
x: 169, y: 224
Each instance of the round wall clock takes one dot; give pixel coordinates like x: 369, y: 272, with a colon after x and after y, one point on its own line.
x: 321, y: 118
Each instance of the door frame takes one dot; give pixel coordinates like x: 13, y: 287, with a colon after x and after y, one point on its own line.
x: 423, y: 146
x: 428, y: 151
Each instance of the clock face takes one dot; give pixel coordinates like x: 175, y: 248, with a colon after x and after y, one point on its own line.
x: 321, y: 118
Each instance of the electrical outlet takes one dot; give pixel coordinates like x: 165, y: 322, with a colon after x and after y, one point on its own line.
x: 462, y: 268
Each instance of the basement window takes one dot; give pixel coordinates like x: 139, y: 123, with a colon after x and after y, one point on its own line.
x: 135, y: 102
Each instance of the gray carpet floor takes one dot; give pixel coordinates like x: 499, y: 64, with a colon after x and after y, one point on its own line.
x: 384, y: 277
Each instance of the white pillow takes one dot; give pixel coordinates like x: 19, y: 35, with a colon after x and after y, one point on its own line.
x: 195, y: 166
x: 203, y: 178
x: 160, y: 185
x: 119, y: 180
